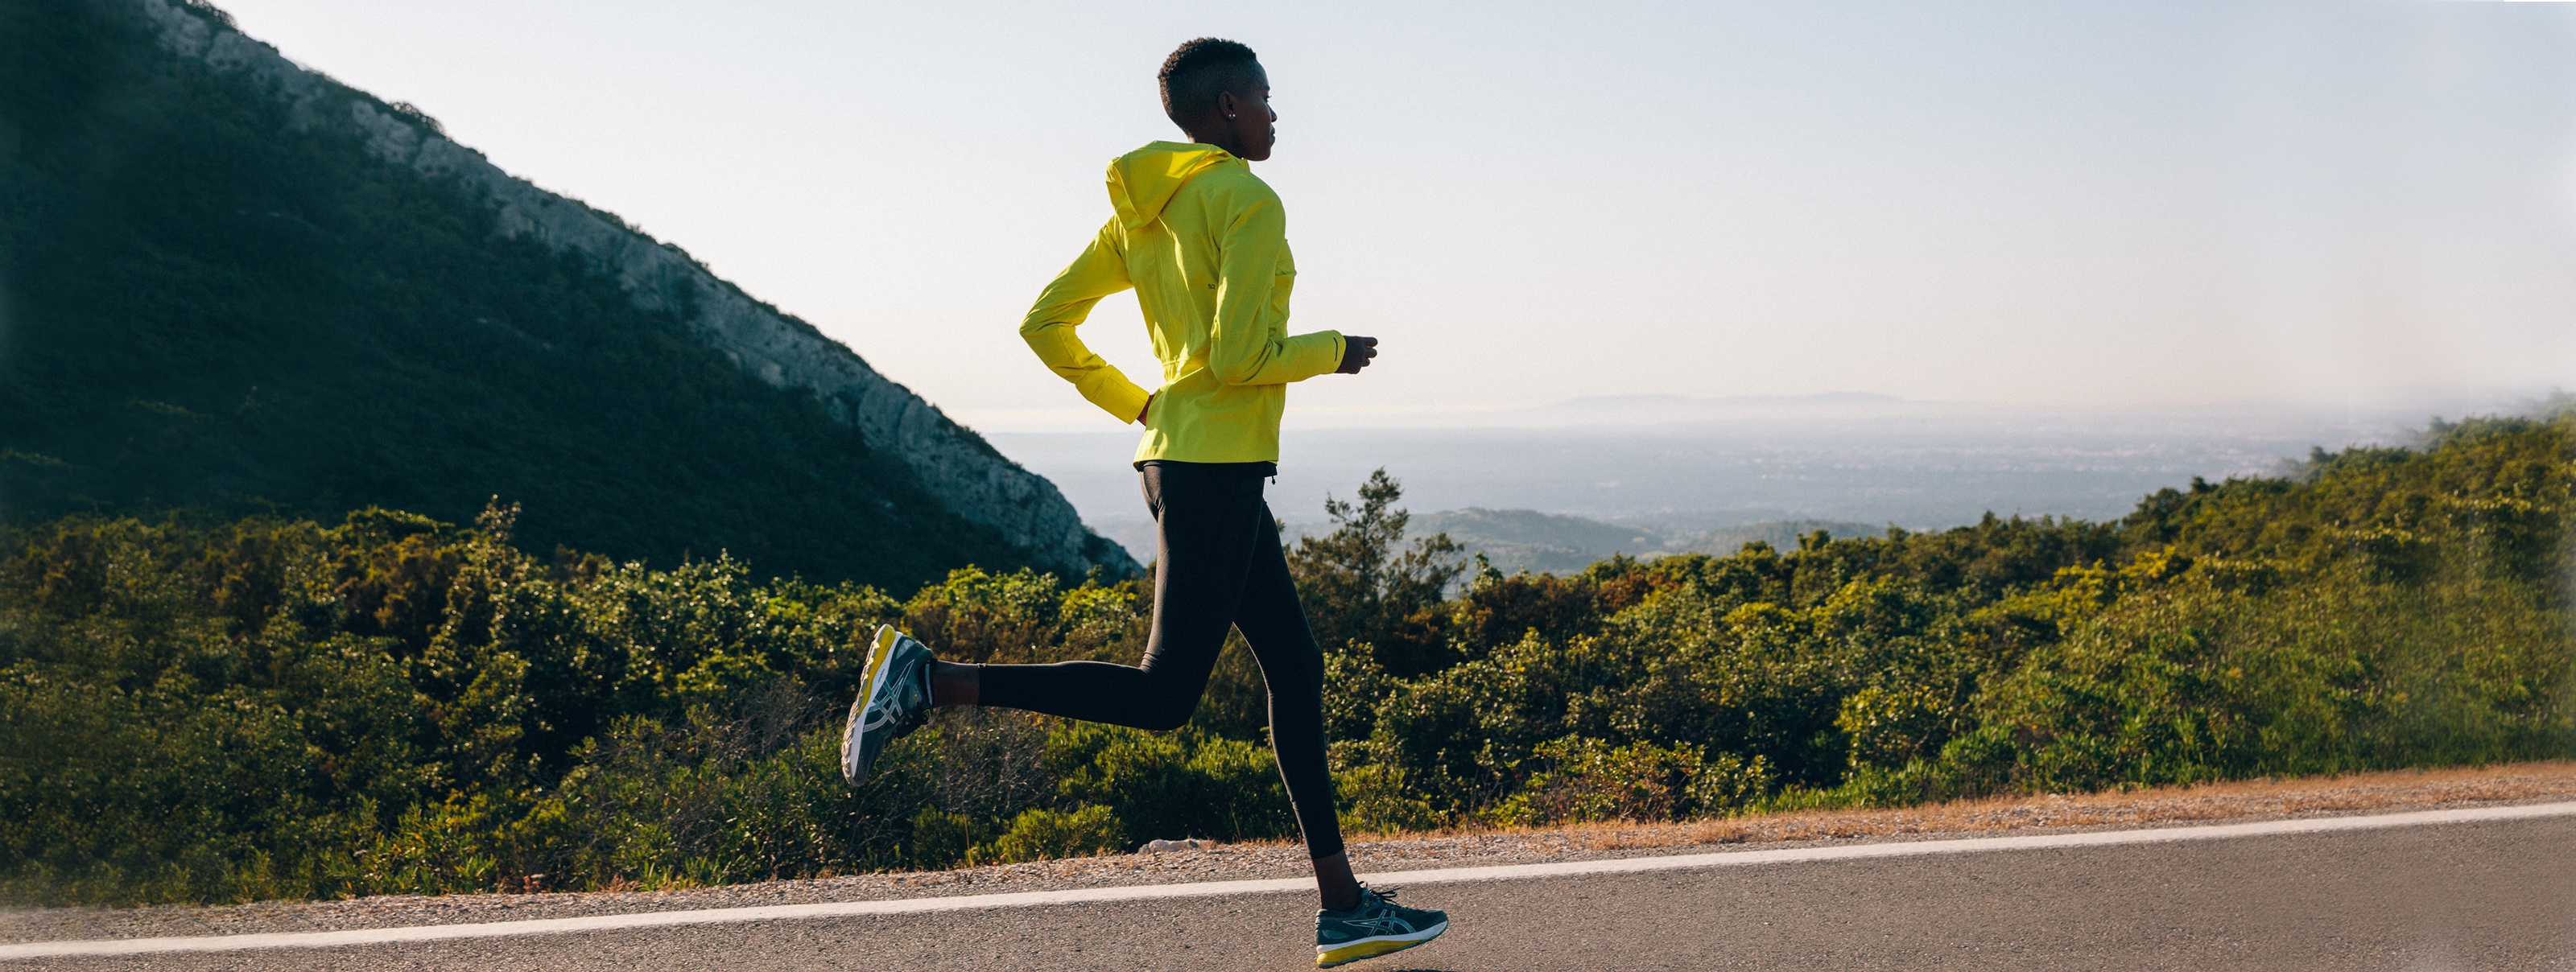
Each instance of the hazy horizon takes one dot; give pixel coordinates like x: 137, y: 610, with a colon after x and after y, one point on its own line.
x: 1918, y: 465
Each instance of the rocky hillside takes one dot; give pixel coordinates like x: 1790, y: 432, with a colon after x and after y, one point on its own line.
x: 228, y: 282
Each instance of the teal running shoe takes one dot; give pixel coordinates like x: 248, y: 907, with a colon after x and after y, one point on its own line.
x: 894, y: 700
x: 1377, y: 927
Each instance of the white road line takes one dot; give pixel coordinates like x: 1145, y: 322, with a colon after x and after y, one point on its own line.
x: 850, y: 909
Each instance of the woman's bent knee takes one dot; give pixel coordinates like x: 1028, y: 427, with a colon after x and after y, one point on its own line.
x: 1166, y: 709
x: 1165, y: 718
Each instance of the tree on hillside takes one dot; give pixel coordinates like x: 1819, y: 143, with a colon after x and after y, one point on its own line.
x: 1363, y: 587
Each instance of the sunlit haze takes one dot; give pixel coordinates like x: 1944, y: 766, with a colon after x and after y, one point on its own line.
x: 2349, y: 204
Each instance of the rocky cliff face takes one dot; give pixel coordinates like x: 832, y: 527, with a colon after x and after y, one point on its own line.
x: 953, y: 463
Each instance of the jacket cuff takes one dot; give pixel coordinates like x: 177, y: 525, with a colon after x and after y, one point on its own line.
x: 1121, y: 399
x: 1340, y: 346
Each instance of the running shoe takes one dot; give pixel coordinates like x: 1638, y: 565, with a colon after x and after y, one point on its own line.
x: 894, y: 700
x: 1378, y: 926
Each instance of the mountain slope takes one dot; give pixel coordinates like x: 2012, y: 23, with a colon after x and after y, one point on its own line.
x: 229, y: 282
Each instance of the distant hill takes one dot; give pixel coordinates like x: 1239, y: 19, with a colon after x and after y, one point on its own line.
x: 230, y: 283
x: 1516, y: 540
x: 1780, y: 534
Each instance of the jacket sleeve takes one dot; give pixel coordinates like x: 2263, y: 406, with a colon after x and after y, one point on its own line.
x: 1241, y: 350
x: 1100, y: 271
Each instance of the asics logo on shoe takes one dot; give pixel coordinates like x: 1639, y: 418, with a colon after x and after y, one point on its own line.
x: 1383, y: 924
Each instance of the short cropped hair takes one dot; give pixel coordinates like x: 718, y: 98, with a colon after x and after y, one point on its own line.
x: 1198, y: 70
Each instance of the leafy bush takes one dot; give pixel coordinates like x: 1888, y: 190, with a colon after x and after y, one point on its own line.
x: 1587, y: 780
x: 1040, y: 834
x: 1172, y: 785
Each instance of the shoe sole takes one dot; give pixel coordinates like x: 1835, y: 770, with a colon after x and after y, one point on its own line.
x: 1374, y: 947
x: 880, y: 658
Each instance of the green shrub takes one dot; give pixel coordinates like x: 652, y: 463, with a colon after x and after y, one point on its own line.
x: 1173, y: 785
x: 1038, y: 835
x: 1587, y: 780
x: 1376, y: 798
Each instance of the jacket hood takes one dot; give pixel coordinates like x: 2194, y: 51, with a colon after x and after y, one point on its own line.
x: 1142, y: 182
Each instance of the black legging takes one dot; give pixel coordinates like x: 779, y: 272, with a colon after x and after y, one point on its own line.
x: 1220, y: 567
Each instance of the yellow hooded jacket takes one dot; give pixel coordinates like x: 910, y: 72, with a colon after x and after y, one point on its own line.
x: 1205, y: 244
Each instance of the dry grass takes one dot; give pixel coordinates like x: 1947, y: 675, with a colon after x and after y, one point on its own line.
x: 2241, y: 800
x: 2401, y: 789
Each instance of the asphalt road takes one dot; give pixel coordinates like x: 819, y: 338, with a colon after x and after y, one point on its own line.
x: 2496, y: 895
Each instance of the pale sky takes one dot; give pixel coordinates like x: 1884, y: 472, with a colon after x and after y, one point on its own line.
x: 2092, y: 204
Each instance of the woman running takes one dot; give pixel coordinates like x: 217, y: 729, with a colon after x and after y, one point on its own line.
x: 1204, y: 244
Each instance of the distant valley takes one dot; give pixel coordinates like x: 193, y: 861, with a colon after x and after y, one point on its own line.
x: 1551, y: 543
x: 1516, y: 540
x: 1643, y: 475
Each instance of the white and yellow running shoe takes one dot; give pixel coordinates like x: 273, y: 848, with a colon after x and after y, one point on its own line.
x: 1377, y: 927
x: 894, y: 700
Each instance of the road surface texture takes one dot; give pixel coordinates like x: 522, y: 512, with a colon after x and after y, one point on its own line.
x: 2482, y: 895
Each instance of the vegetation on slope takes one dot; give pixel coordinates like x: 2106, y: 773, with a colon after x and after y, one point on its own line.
x: 199, y: 710
x: 200, y: 307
